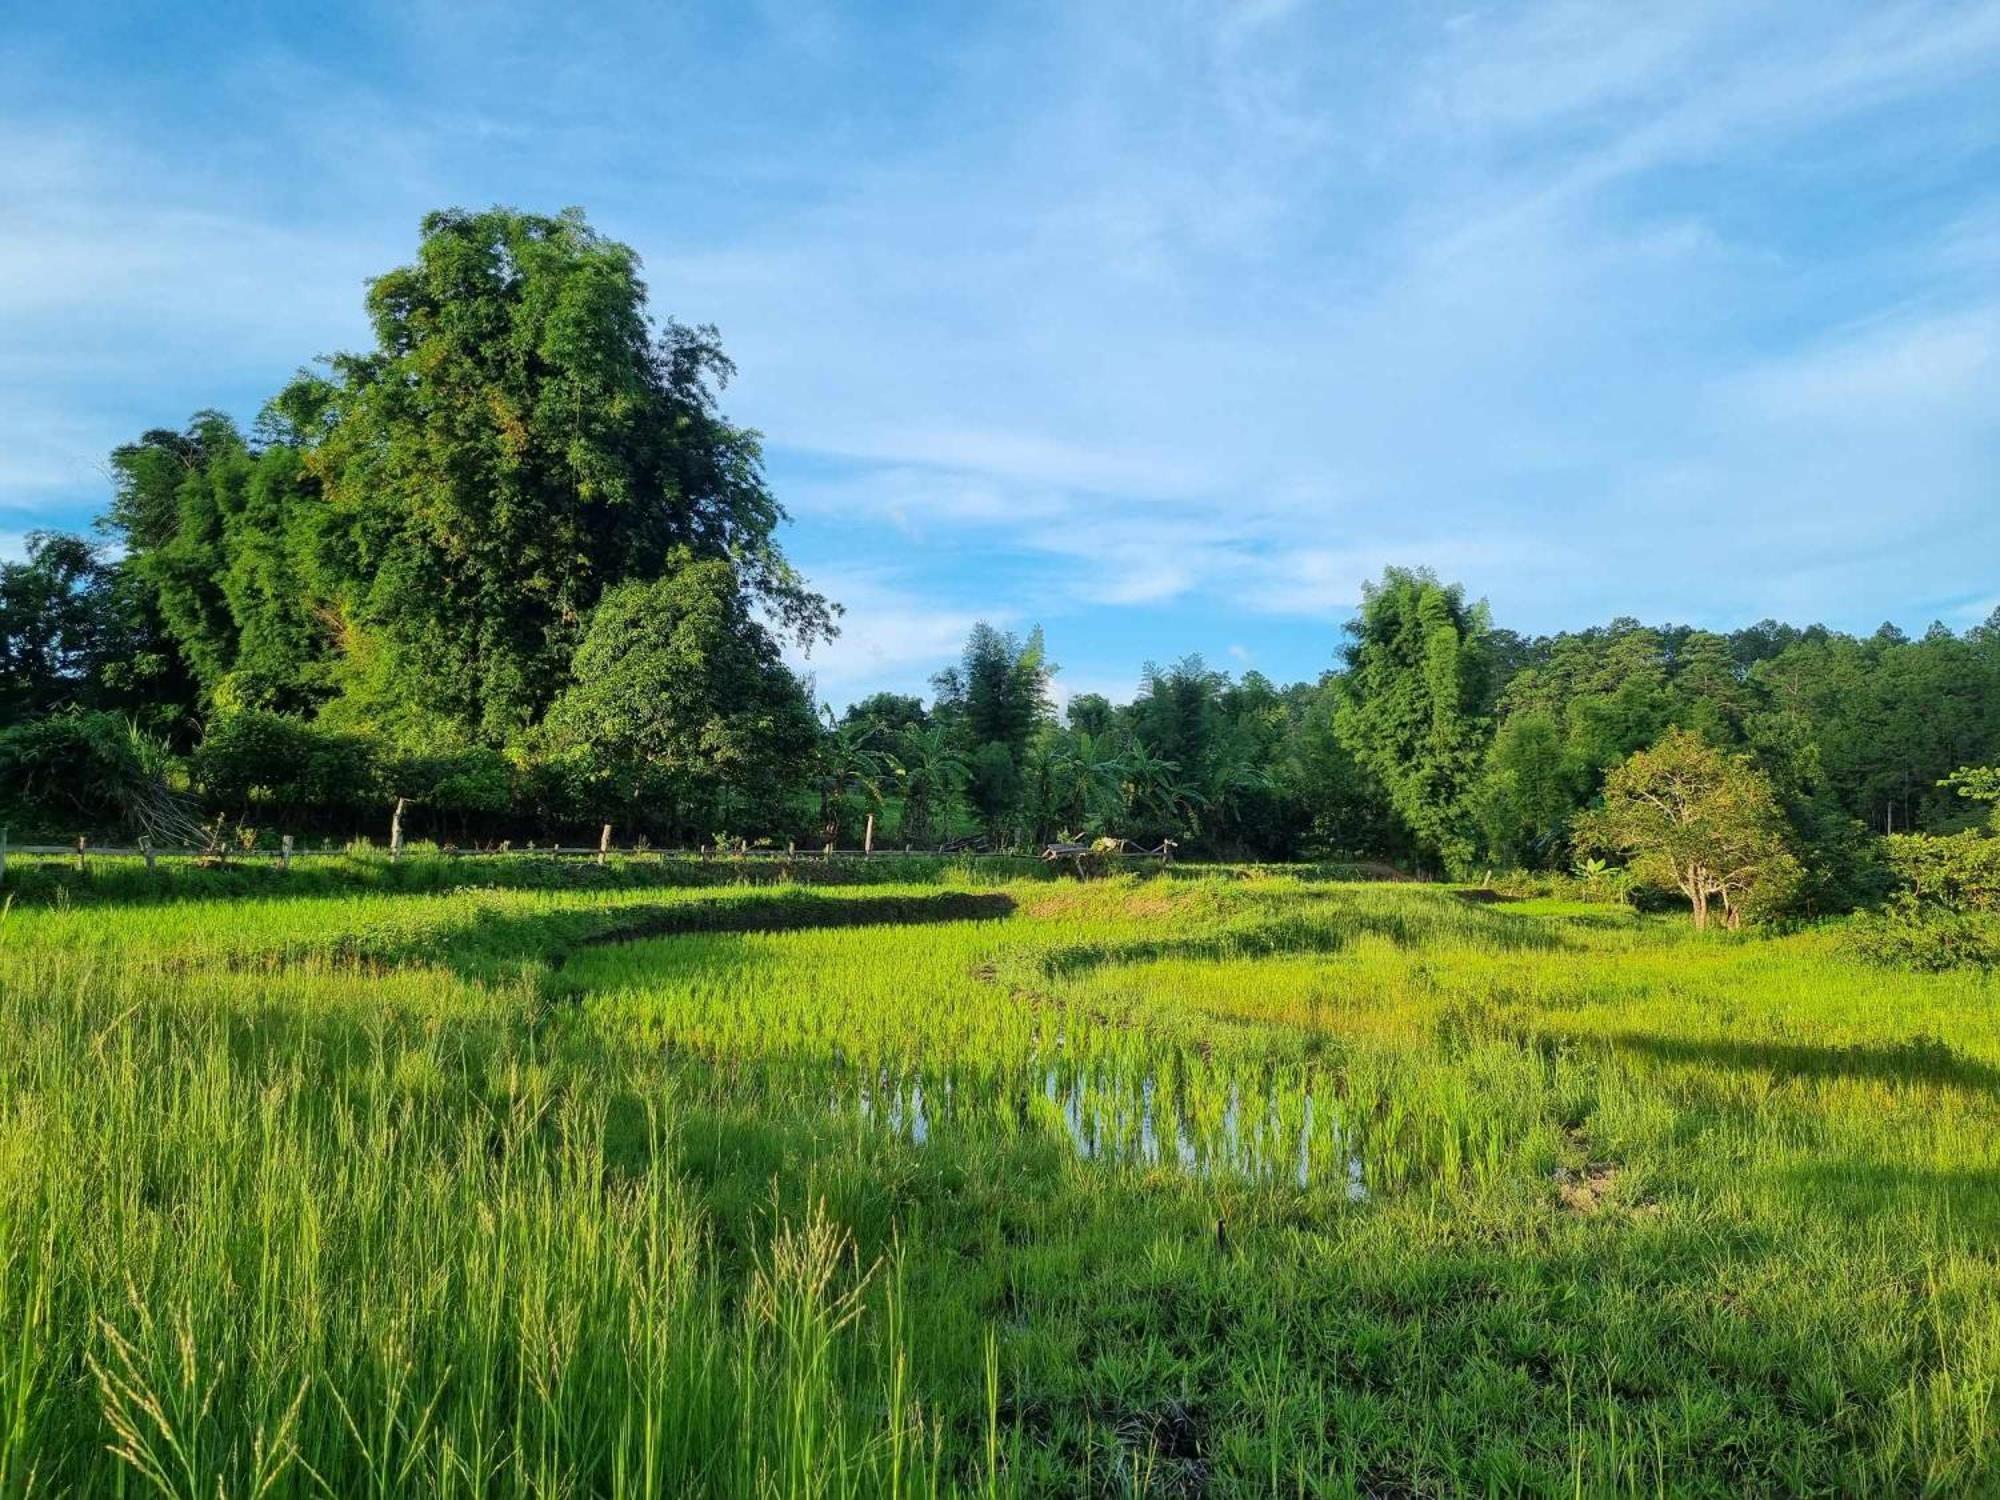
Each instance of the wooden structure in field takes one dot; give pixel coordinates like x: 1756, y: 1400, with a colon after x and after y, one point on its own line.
x: 1099, y: 854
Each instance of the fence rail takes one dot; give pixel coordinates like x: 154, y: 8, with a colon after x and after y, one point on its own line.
x: 218, y: 851
x: 82, y: 852
x: 190, y: 851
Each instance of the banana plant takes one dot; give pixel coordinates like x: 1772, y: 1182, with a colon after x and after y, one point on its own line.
x: 848, y: 765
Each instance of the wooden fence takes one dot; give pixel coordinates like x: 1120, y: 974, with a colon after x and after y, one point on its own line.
x: 221, y: 853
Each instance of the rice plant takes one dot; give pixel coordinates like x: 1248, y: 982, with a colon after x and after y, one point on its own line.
x: 952, y: 1184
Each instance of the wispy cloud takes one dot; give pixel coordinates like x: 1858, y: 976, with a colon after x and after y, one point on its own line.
x: 891, y: 637
x: 1111, y: 310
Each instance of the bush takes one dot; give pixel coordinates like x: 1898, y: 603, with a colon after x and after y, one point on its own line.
x: 285, y: 766
x: 1959, y: 870
x: 1923, y: 936
x: 470, y: 780
x: 77, y: 773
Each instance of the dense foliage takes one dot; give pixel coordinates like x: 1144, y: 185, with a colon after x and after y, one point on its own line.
x: 1412, y: 705
x: 678, y: 700
x: 1698, y: 821
x: 510, y: 563
x: 1441, y: 742
x: 512, y: 566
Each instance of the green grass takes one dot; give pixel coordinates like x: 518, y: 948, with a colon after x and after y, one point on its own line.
x: 1205, y: 1184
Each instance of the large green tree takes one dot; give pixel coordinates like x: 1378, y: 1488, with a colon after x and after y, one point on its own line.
x: 999, y: 691
x: 413, y: 544
x: 1528, y: 792
x: 59, y: 626
x: 218, y: 531
x: 522, y: 438
x: 679, y: 709
x: 1695, y: 819
x: 1413, y: 705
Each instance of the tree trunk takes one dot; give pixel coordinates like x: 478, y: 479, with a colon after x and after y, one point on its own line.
x: 1697, y: 894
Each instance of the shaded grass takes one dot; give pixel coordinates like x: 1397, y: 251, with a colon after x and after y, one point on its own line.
x: 38, y: 880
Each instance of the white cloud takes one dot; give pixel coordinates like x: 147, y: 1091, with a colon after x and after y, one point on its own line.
x: 1222, y: 307
x: 891, y: 637
x: 1536, y: 66
x: 1896, y: 370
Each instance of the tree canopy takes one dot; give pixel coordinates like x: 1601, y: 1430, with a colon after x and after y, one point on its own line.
x: 512, y: 563
x: 1413, y: 703
x: 678, y: 698
x: 517, y: 525
x: 415, y: 539
x: 1696, y: 820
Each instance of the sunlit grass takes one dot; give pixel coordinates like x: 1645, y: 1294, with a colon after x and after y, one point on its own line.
x: 1190, y: 1185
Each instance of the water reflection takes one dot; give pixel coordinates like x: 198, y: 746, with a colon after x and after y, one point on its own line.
x: 1274, y: 1135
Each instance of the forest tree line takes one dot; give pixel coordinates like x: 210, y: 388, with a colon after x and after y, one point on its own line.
x: 513, y: 566
x: 1439, y: 742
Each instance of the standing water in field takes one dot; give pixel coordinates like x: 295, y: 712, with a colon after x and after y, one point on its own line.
x: 1274, y: 1136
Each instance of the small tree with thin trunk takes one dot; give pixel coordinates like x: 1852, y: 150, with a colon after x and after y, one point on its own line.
x: 1690, y: 818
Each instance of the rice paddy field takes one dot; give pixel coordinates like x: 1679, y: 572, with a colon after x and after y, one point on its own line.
x: 1210, y: 1183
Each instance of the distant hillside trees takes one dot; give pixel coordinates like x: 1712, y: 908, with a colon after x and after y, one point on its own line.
x: 1444, y: 743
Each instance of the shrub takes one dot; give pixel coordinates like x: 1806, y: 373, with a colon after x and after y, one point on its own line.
x: 1924, y: 936
x: 474, y: 779
x: 1960, y: 870
x: 83, y: 773
x: 284, y: 766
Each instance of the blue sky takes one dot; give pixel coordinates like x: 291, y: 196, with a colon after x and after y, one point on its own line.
x: 1163, y: 325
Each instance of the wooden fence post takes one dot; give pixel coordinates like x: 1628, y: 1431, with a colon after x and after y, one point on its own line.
x: 868, y: 836
x: 396, y: 831
x: 604, y: 844
x: 285, y: 853
x: 146, y: 851
x: 82, y: 844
